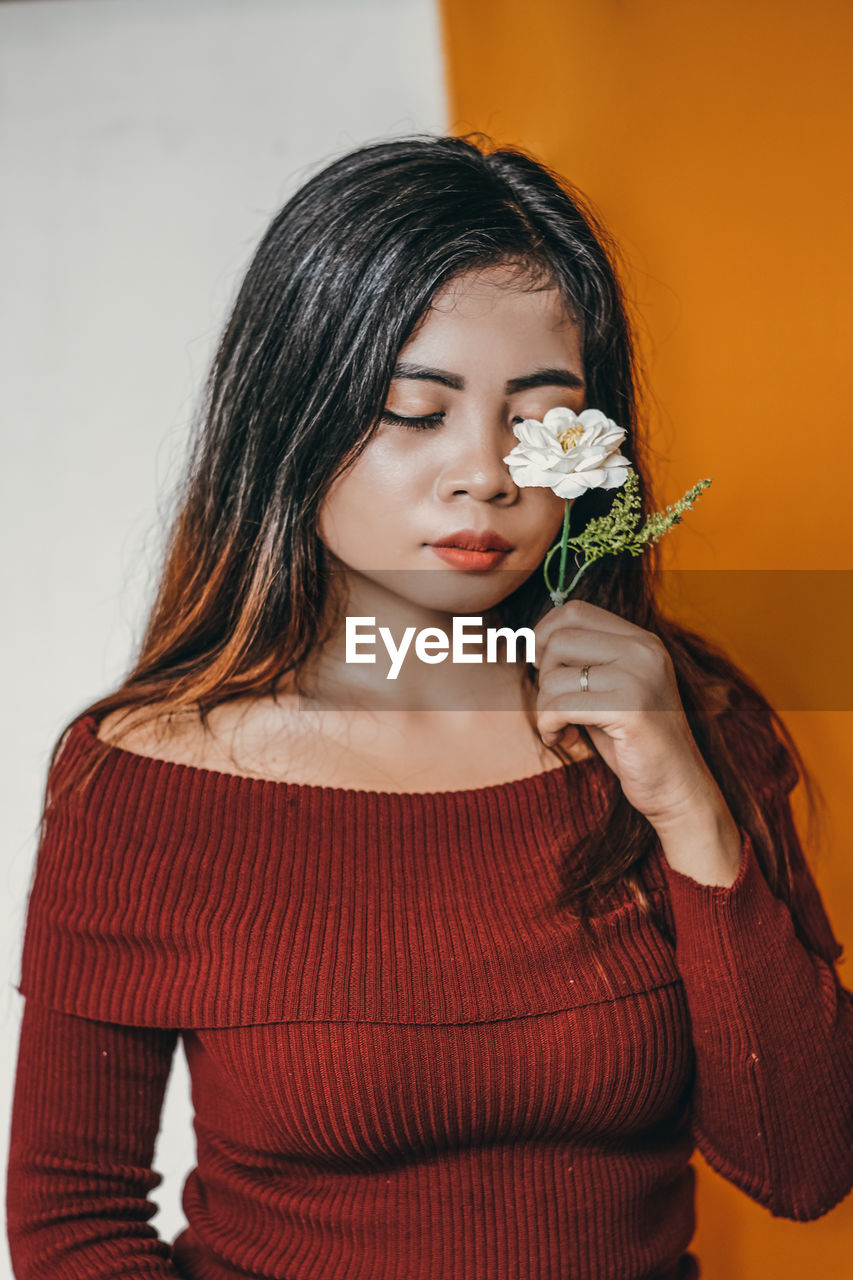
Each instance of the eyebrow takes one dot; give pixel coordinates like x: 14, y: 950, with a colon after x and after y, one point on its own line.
x: 551, y: 377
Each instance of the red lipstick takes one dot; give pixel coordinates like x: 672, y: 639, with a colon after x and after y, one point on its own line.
x: 471, y: 540
x: 470, y: 549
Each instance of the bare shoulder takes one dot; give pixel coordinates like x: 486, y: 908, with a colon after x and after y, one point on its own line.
x: 235, y: 737
x: 152, y: 730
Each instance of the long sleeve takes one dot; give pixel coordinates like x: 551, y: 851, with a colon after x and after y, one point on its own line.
x: 85, y: 1117
x: 772, y: 1030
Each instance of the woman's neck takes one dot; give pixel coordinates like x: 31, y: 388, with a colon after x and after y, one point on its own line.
x: 378, y: 657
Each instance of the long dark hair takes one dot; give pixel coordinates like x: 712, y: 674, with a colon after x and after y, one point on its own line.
x: 339, y: 282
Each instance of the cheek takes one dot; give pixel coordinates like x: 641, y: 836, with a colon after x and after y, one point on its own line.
x: 388, y: 466
x: 546, y: 513
x: 363, y: 504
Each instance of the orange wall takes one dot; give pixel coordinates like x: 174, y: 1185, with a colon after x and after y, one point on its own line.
x: 714, y: 140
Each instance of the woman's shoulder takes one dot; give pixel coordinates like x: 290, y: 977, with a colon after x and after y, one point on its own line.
x: 283, y: 740
x: 256, y: 738
x: 148, y: 875
x: 158, y: 732
x: 147, y: 803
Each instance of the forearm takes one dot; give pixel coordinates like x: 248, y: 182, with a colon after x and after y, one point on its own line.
x: 706, y: 843
x: 84, y: 1120
x: 773, y: 1040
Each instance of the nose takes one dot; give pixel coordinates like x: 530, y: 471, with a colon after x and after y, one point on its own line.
x: 475, y: 465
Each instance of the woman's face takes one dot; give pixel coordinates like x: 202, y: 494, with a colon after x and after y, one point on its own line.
x: 490, y: 352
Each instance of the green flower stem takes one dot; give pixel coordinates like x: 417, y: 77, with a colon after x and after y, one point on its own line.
x: 564, y: 546
x: 574, y: 581
x: 546, y: 562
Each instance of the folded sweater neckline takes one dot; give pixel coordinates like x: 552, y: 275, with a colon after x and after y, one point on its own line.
x: 224, y: 781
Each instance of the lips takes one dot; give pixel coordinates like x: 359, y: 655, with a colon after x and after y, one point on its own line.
x: 464, y: 558
x: 471, y: 540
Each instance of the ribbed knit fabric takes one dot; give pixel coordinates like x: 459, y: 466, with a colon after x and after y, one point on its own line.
x: 406, y: 1062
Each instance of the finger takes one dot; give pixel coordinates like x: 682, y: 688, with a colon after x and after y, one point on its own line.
x: 643, y: 663
x: 586, y: 615
x: 577, y: 648
x: 563, y: 679
x: 586, y: 709
x: 622, y: 692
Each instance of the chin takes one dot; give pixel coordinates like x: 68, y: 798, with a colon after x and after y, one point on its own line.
x: 460, y: 593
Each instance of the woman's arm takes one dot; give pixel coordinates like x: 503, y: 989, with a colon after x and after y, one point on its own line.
x: 772, y: 1031
x: 85, y: 1117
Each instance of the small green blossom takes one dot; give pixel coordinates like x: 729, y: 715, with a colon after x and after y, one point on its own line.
x: 617, y: 531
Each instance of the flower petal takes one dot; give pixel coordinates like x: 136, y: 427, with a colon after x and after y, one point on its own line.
x: 618, y: 476
x: 559, y: 419
x: 532, y: 432
x: 595, y: 418
x: 569, y: 487
x: 590, y: 459
x: 527, y: 475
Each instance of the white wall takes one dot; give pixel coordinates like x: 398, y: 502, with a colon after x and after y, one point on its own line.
x: 144, y: 145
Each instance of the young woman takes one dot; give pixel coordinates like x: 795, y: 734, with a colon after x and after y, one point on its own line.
x: 464, y: 963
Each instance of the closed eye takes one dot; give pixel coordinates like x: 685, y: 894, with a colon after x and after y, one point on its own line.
x: 417, y: 424
x: 426, y: 423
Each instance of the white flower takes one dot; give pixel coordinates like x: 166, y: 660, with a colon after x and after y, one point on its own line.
x: 568, y: 452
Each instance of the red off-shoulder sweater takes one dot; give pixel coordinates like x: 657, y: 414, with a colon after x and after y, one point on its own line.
x: 406, y: 1062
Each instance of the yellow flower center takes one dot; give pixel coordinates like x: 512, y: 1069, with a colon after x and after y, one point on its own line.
x: 570, y: 437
